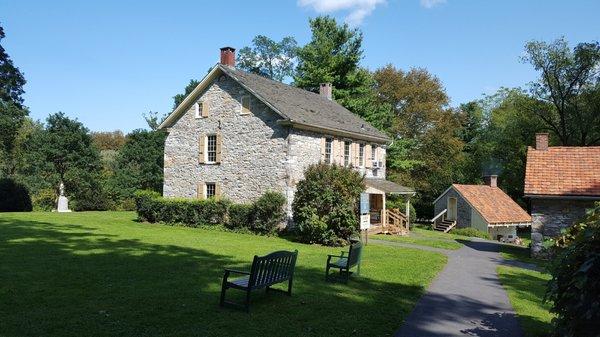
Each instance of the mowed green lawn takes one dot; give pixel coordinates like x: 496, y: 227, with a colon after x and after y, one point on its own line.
x: 429, y: 238
x: 104, y: 274
x: 526, y: 289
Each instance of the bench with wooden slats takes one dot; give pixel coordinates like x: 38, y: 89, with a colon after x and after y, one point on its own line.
x: 344, y: 262
x: 266, y: 271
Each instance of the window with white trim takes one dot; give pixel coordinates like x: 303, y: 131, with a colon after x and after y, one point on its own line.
x: 245, y: 105
x: 328, y: 150
x: 361, y: 155
x: 211, y: 148
x: 197, y: 110
x: 211, y: 190
x: 347, y: 145
x: 373, y: 152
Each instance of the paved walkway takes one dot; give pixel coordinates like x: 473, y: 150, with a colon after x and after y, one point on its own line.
x: 466, y: 299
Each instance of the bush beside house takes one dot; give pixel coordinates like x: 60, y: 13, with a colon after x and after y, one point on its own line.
x: 261, y: 217
x: 325, y: 204
x: 575, y: 286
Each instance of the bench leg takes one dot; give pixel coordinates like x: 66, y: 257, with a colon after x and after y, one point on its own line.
x: 223, y: 289
x: 247, y: 303
x: 289, y: 291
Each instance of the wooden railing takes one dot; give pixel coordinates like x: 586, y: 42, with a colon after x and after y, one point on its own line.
x: 438, y: 218
x: 396, y: 218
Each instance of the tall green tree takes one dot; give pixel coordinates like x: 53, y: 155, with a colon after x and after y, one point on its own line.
x: 11, y: 78
x: 139, y: 164
x: 427, y: 149
x: 268, y: 58
x: 569, y: 85
x: 12, y: 117
x: 68, y: 146
x: 333, y: 56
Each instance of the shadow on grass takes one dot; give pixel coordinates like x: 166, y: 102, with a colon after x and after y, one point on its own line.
x: 73, y: 280
x: 526, y: 290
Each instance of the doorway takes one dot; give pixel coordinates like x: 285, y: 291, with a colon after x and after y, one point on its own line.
x: 452, y: 209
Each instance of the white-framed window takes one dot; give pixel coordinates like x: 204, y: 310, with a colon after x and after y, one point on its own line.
x: 211, y: 148
x: 245, y: 105
x: 347, y: 146
x: 361, y: 155
x: 373, y: 152
x: 210, y: 190
x: 328, y: 150
x: 197, y: 110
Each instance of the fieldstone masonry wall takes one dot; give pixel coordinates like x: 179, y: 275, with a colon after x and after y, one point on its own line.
x: 257, y: 153
x: 253, y: 152
x: 463, y: 214
x: 551, y: 215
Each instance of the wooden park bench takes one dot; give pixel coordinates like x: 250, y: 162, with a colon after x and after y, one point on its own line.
x: 345, y: 262
x: 266, y: 271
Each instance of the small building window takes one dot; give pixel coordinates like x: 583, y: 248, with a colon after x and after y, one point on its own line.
x: 197, y: 110
x: 211, y: 190
x: 328, y: 148
x: 211, y: 149
x: 361, y: 155
x: 347, y: 145
x: 373, y: 152
x: 245, y: 105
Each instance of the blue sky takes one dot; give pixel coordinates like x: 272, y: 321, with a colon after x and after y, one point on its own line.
x: 107, y: 62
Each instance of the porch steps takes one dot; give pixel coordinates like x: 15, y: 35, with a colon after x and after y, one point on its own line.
x: 444, y: 226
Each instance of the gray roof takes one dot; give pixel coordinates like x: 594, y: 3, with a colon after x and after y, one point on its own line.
x: 388, y: 186
x: 303, y: 107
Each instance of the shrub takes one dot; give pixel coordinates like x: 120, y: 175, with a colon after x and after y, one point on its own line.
x: 261, y: 217
x: 575, y: 286
x: 325, y: 204
x: 471, y: 232
x: 44, y: 200
x: 240, y: 216
x: 267, y: 213
x: 14, y: 196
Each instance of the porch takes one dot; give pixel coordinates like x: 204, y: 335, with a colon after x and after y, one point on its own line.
x: 381, y: 219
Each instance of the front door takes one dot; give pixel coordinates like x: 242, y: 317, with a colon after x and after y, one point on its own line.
x: 451, y: 214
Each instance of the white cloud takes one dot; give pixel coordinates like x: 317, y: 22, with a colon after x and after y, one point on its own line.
x: 357, y: 9
x: 432, y: 3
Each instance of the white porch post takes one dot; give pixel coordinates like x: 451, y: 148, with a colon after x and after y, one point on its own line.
x: 408, y: 212
x: 383, y: 212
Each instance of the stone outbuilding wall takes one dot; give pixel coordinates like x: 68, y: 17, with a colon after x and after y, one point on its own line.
x: 463, y: 209
x: 550, y: 216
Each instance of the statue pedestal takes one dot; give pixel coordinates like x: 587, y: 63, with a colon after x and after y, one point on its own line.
x: 63, y: 204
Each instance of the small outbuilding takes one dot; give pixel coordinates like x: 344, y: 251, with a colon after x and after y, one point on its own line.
x: 483, y: 207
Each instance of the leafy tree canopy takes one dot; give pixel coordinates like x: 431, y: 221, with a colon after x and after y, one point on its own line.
x: 268, y: 58
x: 177, y: 99
x: 569, y: 85
x: 11, y: 78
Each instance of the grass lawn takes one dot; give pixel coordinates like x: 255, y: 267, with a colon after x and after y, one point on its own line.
x: 526, y: 291
x: 424, y: 237
x: 103, y: 274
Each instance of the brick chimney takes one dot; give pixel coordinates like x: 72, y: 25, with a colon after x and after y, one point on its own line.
x: 228, y: 56
x: 541, y: 141
x: 325, y: 90
x: 491, y: 180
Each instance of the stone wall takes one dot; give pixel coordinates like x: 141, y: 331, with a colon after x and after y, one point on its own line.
x: 463, y: 214
x: 253, y: 152
x: 551, y: 215
x: 257, y: 153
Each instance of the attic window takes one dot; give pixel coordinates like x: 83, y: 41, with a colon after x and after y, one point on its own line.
x: 245, y: 105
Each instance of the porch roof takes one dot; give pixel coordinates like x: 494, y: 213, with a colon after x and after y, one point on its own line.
x: 388, y: 186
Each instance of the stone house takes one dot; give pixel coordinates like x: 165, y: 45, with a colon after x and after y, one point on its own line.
x: 238, y: 135
x: 561, y: 182
x: 483, y: 207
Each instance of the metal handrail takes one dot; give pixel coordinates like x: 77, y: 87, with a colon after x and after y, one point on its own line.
x: 439, y: 215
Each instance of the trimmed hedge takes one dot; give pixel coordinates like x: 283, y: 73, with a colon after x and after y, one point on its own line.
x: 262, y: 217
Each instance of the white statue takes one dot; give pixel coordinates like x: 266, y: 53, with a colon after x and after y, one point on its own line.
x: 63, y: 201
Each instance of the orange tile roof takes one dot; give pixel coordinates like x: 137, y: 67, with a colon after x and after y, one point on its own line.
x: 563, y: 170
x: 493, y: 204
